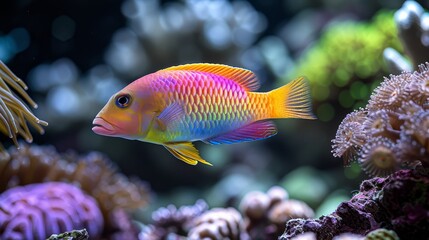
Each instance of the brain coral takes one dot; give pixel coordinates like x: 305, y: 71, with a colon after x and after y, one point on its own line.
x: 38, y: 210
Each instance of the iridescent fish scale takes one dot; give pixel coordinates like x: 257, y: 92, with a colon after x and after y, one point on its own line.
x: 210, y: 102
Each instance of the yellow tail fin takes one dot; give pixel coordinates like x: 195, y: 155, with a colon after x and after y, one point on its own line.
x: 292, y: 100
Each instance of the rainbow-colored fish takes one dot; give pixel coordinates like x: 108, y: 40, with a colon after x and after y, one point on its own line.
x: 212, y: 103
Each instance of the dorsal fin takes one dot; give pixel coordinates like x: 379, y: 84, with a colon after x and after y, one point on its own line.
x: 245, y: 78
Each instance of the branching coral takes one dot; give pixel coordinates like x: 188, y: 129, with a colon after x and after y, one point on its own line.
x: 345, y: 62
x: 14, y: 114
x: 93, y: 173
x: 399, y: 202
x: 36, y: 211
x: 413, y: 29
x: 392, y: 130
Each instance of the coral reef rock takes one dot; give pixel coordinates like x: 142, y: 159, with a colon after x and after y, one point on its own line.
x: 399, y: 202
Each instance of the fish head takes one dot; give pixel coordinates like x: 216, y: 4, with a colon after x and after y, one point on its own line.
x: 124, y: 116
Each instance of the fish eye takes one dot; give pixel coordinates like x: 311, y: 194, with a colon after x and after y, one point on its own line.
x: 123, y: 101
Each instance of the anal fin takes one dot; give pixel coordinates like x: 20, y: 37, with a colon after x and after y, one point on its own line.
x: 186, y: 152
x: 251, y: 132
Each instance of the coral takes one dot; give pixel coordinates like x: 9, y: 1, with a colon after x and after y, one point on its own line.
x: 379, y: 158
x: 218, y: 223
x: 348, y: 236
x: 305, y: 236
x: 412, y: 24
x: 93, y: 173
x: 289, y: 209
x: 72, y: 235
x: 390, y: 132
x: 382, y: 234
x: 343, y: 65
x: 171, y: 220
x: 399, y: 202
x: 14, y: 114
x: 266, y: 213
x: 36, y: 211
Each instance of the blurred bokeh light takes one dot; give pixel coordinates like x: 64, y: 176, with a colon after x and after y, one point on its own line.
x: 75, y: 54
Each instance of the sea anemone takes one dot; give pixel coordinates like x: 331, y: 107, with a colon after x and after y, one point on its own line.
x: 36, y: 211
x: 14, y: 114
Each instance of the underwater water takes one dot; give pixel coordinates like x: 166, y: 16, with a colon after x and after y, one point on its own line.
x: 333, y: 177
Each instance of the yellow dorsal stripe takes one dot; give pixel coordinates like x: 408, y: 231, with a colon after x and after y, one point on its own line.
x: 245, y: 78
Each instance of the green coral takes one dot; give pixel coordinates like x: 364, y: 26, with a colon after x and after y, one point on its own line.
x: 381, y: 234
x: 343, y: 65
x: 72, y: 235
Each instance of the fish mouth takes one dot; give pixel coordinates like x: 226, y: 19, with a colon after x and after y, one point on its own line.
x: 103, y: 127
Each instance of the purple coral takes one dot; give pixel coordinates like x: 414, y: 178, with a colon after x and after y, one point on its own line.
x: 399, y: 202
x: 94, y: 173
x: 38, y: 210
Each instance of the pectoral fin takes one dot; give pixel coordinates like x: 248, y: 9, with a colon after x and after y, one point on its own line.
x: 186, y: 152
x: 170, y: 114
